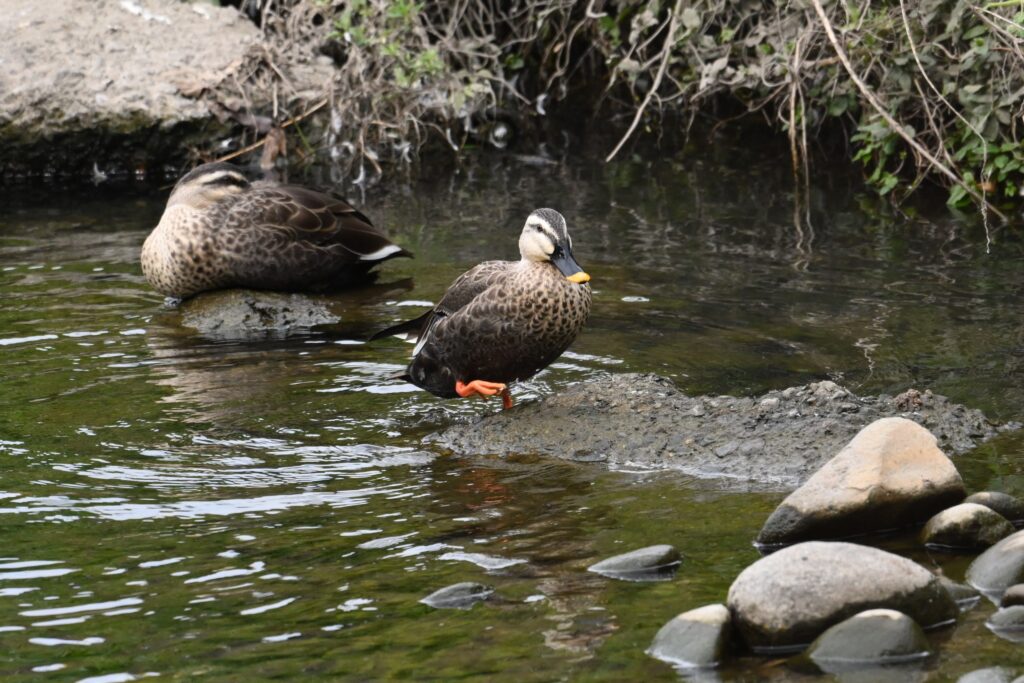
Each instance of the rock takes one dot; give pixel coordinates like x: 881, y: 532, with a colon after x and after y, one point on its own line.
x: 699, y: 638
x: 1014, y: 595
x: 999, y: 567
x: 458, y: 595
x: 965, y: 526
x: 787, y: 599
x: 994, y: 674
x: 770, y: 442
x: 872, y: 637
x: 1007, y: 619
x: 963, y: 595
x: 88, y: 80
x: 1008, y: 506
x: 891, y: 475
x: 654, y: 563
x: 242, y: 314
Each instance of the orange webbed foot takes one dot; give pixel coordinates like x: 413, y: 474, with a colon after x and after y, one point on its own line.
x: 481, y: 388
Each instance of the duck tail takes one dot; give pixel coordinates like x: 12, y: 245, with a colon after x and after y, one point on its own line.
x: 408, y: 330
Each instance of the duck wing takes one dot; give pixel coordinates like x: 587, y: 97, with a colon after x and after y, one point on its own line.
x: 320, y: 220
x: 459, y: 294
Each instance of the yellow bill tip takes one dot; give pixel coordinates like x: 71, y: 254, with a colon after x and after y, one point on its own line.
x: 579, y: 278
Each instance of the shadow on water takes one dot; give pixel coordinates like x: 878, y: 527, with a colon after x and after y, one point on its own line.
x: 200, y: 507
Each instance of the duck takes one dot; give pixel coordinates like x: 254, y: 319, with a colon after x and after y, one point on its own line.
x: 221, y: 230
x: 501, y: 321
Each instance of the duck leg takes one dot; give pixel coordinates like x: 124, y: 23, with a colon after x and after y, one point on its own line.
x: 480, y: 387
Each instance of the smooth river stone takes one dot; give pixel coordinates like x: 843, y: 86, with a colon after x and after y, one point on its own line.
x: 787, y: 599
x: 1010, y: 507
x: 1014, y: 595
x: 965, y: 526
x: 965, y: 596
x: 891, y: 475
x: 999, y: 567
x: 876, y: 636
x: 656, y: 562
x: 696, y: 639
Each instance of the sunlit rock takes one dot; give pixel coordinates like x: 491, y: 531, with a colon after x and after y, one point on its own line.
x: 869, y: 638
x: 999, y: 567
x: 653, y: 563
x: 1010, y: 507
x: 891, y: 475
x: 788, y: 598
x: 994, y: 674
x: 458, y: 595
x: 699, y: 638
x: 965, y: 526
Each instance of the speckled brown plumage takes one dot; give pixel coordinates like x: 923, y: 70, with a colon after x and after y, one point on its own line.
x: 500, y: 321
x: 220, y: 231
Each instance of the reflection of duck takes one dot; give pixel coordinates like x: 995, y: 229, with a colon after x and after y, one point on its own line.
x: 502, y: 321
x: 219, y: 230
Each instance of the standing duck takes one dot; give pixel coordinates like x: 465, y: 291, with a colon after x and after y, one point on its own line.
x: 501, y: 321
x: 220, y: 230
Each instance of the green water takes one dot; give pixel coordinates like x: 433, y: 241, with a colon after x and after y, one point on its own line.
x: 248, y: 511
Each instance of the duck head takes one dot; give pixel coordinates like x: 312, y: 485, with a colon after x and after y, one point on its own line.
x: 546, y: 239
x: 208, y: 184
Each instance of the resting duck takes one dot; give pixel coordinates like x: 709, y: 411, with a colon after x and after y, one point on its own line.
x: 501, y: 321
x: 220, y: 230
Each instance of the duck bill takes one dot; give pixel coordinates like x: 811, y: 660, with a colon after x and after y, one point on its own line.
x: 567, y: 266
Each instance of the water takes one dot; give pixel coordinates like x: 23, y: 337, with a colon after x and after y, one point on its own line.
x: 196, y: 508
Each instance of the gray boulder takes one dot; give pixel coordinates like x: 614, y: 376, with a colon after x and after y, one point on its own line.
x: 872, y: 637
x: 965, y: 526
x: 1007, y: 619
x: 994, y: 674
x: 891, y: 475
x: 999, y: 567
x: 1014, y: 595
x: 654, y: 563
x: 1010, y: 507
x: 696, y: 639
x: 785, y: 600
x: 458, y: 595
x: 243, y: 314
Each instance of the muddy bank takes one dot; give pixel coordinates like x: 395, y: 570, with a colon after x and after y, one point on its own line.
x: 773, y: 441
x: 116, y: 82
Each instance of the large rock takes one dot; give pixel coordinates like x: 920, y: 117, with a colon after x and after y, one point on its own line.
x: 769, y: 442
x: 876, y: 636
x: 965, y: 596
x: 1014, y: 595
x: 111, y: 78
x: 699, y: 638
x: 965, y: 527
x: 1010, y: 507
x: 891, y: 475
x: 785, y: 600
x: 999, y: 567
x: 242, y: 314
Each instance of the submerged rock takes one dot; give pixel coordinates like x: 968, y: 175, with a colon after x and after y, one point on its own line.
x: 458, y: 595
x: 999, y: 567
x: 1014, y: 595
x: 785, y: 600
x: 770, y: 442
x: 965, y: 527
x: 994, y: 674
x: 872, y: 637
x: 891, y: 475
x: 654, y: 563
x: 243, y: 314
x: 965, y: 596
x: 1010, y: 507
x: 699, y: 638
